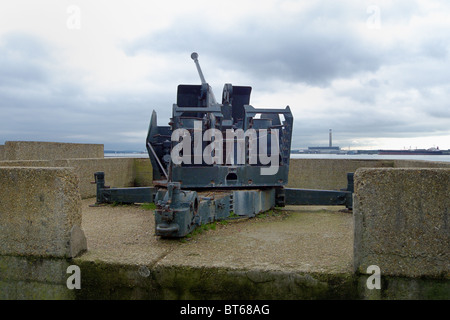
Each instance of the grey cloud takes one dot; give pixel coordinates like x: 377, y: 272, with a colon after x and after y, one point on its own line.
x: 436, y: 48
x: 303, y: 49
x: 305, y: 58
x: 39, y: 101
x: 20, y: 57
x: 314, y: 46
x: 365, y: 121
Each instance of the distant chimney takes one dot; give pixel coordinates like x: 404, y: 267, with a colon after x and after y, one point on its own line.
x: 331, y: 143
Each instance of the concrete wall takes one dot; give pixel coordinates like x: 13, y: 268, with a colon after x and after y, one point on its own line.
x: 143, y: 172
x: 40, y: 212
x: 40, y: 231
x: 400, y: 216
x: 34, y: 278
x: 119, y: 172
x: 36, y: 150
x: 401, y: 221
x: 420, y: 164
x: 86, y: 159
x: 327, y: 174
x: 331, y: 174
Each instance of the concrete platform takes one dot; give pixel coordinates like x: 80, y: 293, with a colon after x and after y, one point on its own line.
x: 305, y: 239
x: 298, y: 252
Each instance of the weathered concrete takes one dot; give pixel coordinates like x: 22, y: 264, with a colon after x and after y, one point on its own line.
x: 2, y: 152
x: 119, y: 171
x: 137, y: 172
x: 420, y: 164
x: 143, y: 172
x: 298, y: 253
x: 34, y: 278
x: 401, y: 221
x: 301, y: 253
x: 331, y: 174
x: 39, y: 208
x: 327, y: 174
x: 38, y: 150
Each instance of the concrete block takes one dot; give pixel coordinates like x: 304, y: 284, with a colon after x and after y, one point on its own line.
x: 32, y: 290
x: 37, y: 150
x: 119, y: 171
x: 420, y: 164
x: 401, y: 221
x: 36, y: 269
x: 40, y: 212
x: 327, y: 174
x: 331, y: 174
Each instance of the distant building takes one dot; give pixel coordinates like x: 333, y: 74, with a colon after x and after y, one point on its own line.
x: 329, y: 149
x: 324, y: 149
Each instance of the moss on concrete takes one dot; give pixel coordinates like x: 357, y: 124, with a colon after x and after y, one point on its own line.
x: 107, y: 281
x: 31, y: 290
x: 402, y: 288
x: 34, y: 277
x: 101, y: 280
x: 127, y: 282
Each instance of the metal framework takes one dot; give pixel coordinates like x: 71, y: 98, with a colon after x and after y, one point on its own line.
x: 218, y: 178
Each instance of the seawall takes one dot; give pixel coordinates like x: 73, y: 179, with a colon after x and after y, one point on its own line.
x: 85, y: 159
x: 331, y: 174
x: 40, y: 150
x: 324, y: 174
x: 399, y: 224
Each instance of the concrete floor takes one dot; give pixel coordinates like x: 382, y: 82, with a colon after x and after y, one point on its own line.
x: 306, y: 239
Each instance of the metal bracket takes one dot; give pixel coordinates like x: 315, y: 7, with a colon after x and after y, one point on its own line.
x: 321, y: 197
x: 106, y: 194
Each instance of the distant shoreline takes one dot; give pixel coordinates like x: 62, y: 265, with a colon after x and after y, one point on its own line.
x: 441, y: 158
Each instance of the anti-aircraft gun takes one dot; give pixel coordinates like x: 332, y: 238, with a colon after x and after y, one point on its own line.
x: 217, y: 161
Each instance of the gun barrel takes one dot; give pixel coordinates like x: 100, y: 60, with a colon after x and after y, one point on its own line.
x: 194, y: 57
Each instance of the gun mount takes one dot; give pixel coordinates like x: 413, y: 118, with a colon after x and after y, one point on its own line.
x: 230, y: 144
x: 218, y: 160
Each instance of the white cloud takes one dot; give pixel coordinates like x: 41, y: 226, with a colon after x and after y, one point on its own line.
x: 99, y: 83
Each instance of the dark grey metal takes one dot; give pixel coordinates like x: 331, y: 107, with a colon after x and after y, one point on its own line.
x: 195, y: 192
x: 321, y: 197
x: 316, y: 197
x: 179, y: 211
x: 105, y: 194
x: 197, y: 103
x: 179, y: 208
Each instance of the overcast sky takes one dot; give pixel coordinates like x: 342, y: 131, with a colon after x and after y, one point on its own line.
x: 375, y: 72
